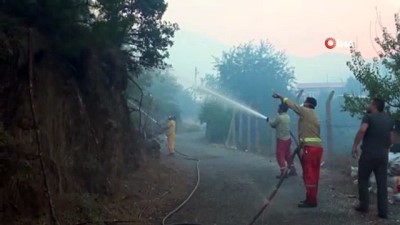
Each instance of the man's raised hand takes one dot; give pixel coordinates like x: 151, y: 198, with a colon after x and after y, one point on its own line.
x: 276, y: 95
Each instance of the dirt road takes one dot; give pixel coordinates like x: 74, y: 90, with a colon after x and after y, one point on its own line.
x: 234, y: 185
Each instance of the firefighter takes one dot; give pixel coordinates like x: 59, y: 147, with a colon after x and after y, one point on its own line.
x: 283, y: 141
x: 171, y: 126
x: 310, y: 146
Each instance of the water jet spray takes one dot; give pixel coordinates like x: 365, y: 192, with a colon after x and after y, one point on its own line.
x: 233, y: 103
x: 141, y: 110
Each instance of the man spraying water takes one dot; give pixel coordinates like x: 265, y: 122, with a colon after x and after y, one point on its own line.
x: 281, y: 124
x: 310, y: 144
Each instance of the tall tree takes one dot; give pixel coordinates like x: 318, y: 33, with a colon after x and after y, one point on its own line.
x: 164, y: 89
x: 135, y: 27
x: 379, y: 78
x: 164, y: 96
x: 249, y: 73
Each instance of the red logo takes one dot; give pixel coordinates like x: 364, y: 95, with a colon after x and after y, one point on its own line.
x: 330, y: 43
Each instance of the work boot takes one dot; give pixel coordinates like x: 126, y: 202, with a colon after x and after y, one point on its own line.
x: 382, y: 216
x: 306, y: 205
x: 361, y: 209
x: 292, y: 173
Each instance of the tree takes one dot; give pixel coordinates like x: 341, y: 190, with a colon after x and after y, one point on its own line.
x: 354, y: 87
x: 379, y: 78
x: 164, y: 96
x: 164, y: 89
x: 250, y: 73
x: 133, y: 27
x: 81, y: 55
x: 217, y: 119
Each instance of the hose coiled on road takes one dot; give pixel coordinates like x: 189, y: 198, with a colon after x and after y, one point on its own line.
x: 187, y: 157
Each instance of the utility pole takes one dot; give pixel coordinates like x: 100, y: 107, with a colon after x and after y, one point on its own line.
x: 196, y: 72
x: 329, y: 122
x: 298, y: 97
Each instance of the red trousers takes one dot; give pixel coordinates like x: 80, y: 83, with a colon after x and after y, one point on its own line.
x: 311, y: 163
x: 283, y: 153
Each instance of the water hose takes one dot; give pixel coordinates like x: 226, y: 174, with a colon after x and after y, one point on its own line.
x: 187, y: 157
x: 262, y: 209
x: 272, y: 195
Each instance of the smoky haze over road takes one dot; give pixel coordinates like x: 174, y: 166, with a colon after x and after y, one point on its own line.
x: 234, y: 185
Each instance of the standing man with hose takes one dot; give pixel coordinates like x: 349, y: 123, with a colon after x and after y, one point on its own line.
x: 310, y: 146
x: 283, y: 141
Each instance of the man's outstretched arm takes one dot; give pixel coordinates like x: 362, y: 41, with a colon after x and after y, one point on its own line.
x: 296, y: 108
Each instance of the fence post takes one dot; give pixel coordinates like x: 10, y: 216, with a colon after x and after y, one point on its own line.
x: 228, y: 137
x: 249, y: 132
x: 240, y: 139
x: 257, y: 131
x: 299, y: 96
x: 329, y: 132
x: 292, y: 125
x: 231, y: 136
x: 233, y: 139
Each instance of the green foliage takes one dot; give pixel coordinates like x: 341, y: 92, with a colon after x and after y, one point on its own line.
x: 381, y: 77
x: 217, y: 119
x: 249, y: 73
x: 164, y: 96
x: 164, y: 89
x: 135, y: 27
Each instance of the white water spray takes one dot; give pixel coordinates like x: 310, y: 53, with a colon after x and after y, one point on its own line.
x: 141, y: 110
x: 234, y: 103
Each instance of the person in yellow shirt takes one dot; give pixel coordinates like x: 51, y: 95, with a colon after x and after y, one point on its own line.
x: 311, y: 146
x: 171, y: 126
x: 283, y: 141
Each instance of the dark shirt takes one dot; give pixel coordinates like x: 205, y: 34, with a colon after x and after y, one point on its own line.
x: 376, y: 140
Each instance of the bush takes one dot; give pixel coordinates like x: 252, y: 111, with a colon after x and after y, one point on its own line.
x: 217, y: 119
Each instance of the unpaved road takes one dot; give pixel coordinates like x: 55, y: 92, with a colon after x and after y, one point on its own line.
x: 235, y: 184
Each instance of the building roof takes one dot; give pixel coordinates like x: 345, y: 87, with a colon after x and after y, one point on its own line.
x: 321, y: 85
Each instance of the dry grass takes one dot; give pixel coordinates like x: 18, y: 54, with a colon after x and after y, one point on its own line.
x: 145, y: 197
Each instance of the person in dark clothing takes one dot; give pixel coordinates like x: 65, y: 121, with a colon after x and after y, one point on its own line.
x: 376, y: 134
